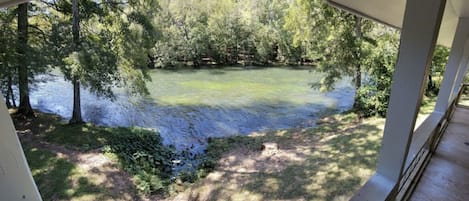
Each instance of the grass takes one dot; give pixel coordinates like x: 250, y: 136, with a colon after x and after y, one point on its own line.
x: 138, y: 151
x: 428, y: 104
x: 464, y: 99
x: 59, y: 179
x: 328, y: 162
x: 52, y: 128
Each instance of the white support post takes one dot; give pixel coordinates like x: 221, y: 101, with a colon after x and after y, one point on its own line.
x: 16, y: 182
x: 459, y: 80
x: 455, y: 67
x: 422, y: 20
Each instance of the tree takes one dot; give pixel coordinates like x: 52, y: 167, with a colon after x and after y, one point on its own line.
x: 8, y: 66
x: 23, y: 61
x: 22, y: 53
x: 300, y: 23
x: 440, y: 58
x: 373, y: 98
x: 76, y: 114
x: 108, y: 47
x: 340, y: 43
x: 345, y: 49
x: 226, y: 32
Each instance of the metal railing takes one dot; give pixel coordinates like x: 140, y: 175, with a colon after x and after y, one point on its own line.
x: 425, y: 140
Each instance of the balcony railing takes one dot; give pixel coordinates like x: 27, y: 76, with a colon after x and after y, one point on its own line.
x: 424, y: 143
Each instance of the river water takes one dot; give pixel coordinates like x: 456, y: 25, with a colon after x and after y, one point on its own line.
x: 188, y: 106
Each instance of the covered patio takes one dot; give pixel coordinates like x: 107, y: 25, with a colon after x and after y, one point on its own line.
x: 430, y: 162
x: 446, y: 176
x: 427, y: 163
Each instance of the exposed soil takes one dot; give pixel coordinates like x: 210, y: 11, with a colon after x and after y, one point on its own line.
x: 99, y: 168
x: 328, y: 163
x: 291, y: 165
x: 240, y: 166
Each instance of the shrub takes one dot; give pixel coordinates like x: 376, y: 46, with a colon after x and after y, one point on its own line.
x: 142, y: 154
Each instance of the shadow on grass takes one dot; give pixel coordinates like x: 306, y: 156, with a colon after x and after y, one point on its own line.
x: 329, y: 162
x: 58, y: 179
x: 142, y: 153
x: 138, y: 151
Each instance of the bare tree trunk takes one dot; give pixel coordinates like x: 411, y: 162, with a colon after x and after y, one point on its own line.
x: 430, y: 85
x: 22, y: 49
x: 7, y: 100
x: 10, y: 94
x: 358, y: 77
x: 358, y: 68
x: 76, y: 114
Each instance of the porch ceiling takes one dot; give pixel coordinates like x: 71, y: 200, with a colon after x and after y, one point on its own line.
x: 391, y: 12
x: 6, y: 3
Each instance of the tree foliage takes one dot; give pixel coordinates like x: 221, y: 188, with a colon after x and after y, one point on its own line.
x: 112, y: 50
x: 21, y: 53
x: 230, y: 32
x: 8, y: 76
x: 373, y: 98
x: 120, y: 39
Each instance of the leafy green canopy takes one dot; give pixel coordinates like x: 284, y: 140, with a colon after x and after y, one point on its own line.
x: 223, y: 32
x: 344, y: 45
x: 119, y: 39
x: 17, y: 56
x: 115, y: 40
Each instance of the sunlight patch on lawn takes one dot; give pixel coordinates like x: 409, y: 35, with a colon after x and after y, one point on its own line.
x: 329, y: 162
x: 59, y: 179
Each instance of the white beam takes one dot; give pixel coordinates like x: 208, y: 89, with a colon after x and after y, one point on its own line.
x: 422, y: 20
x: 459, y: 80
x: 16, y: 182
x: 456, y: 64
x: 418, y: 38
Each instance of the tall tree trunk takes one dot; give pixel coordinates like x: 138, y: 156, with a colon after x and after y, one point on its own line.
x: 76, y: 114
x: 358, y: 70
x: 7, y: 100
x: 358, y: 67
x: 430, y: 85
x: 358, y: 77
x: 22, y: 49
x: 10, y: 94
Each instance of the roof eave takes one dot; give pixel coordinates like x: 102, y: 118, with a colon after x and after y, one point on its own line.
x: 8, y: 3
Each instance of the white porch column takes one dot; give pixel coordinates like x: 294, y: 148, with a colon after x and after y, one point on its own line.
x: 420, y: 28
x: 455, y: 67
x: 422, y: 21
x: 16, y: 182
x: 459, y: 80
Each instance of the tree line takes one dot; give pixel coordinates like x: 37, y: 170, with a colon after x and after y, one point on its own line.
x: 95, y: 44
x: 101, y: 44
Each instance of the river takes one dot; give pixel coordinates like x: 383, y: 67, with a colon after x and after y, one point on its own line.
x: 188, y: 106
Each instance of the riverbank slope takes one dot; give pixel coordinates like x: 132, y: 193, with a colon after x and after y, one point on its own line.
x: 328, y: 162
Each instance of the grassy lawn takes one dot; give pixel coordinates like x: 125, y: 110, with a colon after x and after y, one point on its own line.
x: 86, y: 162
x: 328, y: 162
x: 464, y: 99
x: 59, y: 179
